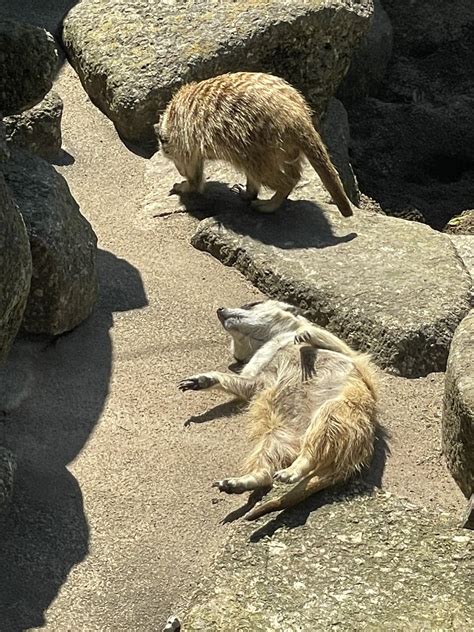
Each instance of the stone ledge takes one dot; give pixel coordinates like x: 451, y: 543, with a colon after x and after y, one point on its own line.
x: 357, y: 562
x: 395, y: 288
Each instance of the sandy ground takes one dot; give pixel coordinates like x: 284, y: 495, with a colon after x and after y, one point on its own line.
x: 114, y: 518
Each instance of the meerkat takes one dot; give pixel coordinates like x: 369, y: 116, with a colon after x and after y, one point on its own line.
x: 257, y: 122
x: 312, y: 402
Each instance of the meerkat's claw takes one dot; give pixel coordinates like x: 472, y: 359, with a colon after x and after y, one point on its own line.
x: 244, y: 193
x: 238, y: 188
x: 196, y: 383
x: 301, y: 338
x: 190, y: 384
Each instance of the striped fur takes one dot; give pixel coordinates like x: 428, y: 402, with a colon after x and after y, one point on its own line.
x: 257, y: 122
x: 312, y: 402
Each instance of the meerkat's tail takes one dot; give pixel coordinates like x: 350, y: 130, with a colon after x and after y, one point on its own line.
x: 317, y: 154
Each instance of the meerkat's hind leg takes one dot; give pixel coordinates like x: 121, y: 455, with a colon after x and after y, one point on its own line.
x: 274, y: 203
x: 289, y: 172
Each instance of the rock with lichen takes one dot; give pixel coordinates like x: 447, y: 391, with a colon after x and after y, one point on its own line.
x: 63, y: 246
x: 39, y: 128
x: 458, y: 413
x: 358, y: 562
x: 28, y: 64
x: 15, y: 268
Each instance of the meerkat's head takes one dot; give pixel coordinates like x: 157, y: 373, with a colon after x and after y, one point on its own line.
x: 254, y: 324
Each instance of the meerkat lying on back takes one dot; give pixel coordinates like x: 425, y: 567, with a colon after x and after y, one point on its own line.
x: 312, y: 402
x: 257, y: 122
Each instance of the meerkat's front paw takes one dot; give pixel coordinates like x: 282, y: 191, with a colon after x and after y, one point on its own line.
x: 287, y: 476
x: 303, y: 337
x: 197, y: 383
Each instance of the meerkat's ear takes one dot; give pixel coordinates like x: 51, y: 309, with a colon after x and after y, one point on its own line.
x: 250, y: 305
x: 292, y: 309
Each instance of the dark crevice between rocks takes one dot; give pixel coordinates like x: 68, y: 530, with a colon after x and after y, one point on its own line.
x: 412, y: 137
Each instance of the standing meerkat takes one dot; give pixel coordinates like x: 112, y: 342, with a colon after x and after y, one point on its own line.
x: 257, y: 122
x: 312, y: 402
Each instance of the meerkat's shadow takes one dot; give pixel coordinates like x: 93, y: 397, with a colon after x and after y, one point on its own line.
x: 221, y: 411
x: 297, y: 224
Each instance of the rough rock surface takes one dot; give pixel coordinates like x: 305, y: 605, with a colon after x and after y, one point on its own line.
x: 7, y: 471
x: 369, y: 278
x: 432, y: 50
x: 357, y: 562
x: 464, y: 245
x: 132, y: 55
x: 63, y: 246
x: 4, y: 153
x: 458, y: 414
x: 370, y: 59
x: 38, y: 129
x: 462, y: 224
x: 15, y: 268
x: 413, y: 149
x: 28, y: 64
x: 336, y: 134
x: 415, y: 155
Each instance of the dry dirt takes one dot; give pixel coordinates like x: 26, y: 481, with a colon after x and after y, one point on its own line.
x: 114, y: 518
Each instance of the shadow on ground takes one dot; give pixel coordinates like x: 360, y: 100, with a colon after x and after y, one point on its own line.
x: 53, y: 394
x: 297, y: 224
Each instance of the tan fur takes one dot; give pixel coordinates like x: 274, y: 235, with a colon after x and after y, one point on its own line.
x: 257, y: 122
x: 312, y: 402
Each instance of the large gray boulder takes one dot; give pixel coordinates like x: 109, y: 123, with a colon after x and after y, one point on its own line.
x: 354, y: 563
x: 458, y: 413
x: 15, y: 268
x: 63, y: 246
x: 38, y: 129
x: 131, y: 55
x: 395, y: 288
x: 28, y: 64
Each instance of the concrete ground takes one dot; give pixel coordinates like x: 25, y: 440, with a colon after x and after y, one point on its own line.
x: 114, y: 520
